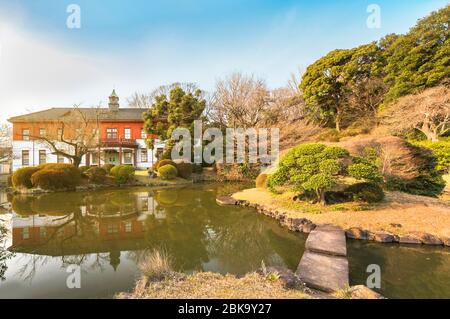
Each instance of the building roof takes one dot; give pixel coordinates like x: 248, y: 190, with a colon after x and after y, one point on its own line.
x: 103, y: 114
x: 114, y: 94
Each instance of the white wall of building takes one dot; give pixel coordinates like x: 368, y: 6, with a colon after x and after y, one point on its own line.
x: 34, y: 147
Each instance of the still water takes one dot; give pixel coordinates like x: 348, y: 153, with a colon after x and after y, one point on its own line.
x: 107, y: 233
x: 407, y: 271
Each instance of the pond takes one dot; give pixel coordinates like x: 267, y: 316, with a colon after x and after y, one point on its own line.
x: 107, y: 233
x: 407, y: 271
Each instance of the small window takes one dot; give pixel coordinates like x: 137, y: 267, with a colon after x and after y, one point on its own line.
x: 42, y: 157
x: 113, y: 229
x: 94, y: 158
x: 143, y: 134
x: 144, y: 155
x: 127, y: 157
x: 26, y: 233
x: 59, y: 159
x: 128, y: 227
x: 42, y: 232
x: 26, y: 134
x: 25, y: 158
x: 111, y: 133
x: 42, y: 132
x: 127, y: 134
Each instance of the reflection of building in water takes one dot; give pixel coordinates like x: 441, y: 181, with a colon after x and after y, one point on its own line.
x: 90, y: 230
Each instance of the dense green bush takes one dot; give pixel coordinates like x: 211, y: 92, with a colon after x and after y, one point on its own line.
x: 309, y: 167
x: 184, y: 170
x: 123, y: 173
x: 163, y: 162
x: 366, y: 192
x: 56, y: 177
x: 441, y: 150
x: 96, y: 175
x: 22, y: 177
x: 84, y: 169
x: 108, y: 168
x: 56, y: 166
x: 167, y: 172
x: 365, y: 171
x: 424, y: 185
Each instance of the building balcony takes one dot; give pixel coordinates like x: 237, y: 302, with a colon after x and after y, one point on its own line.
x: 118, y: 142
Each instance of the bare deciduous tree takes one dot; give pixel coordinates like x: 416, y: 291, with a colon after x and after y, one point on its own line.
x: 75, y: 134
x: 428, y: 112
x: 239, y: 101
x: 5, y: 142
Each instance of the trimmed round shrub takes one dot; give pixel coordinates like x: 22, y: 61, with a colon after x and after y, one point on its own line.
x: 362, y: 171
x: 55, y: 166
x: 261, y: 180
x: 184, y: 170
x: 167, y: 172
x: 366, y: 192
x: 58, y: 177
x: 84, y: 169
x: 303, y: 162
x: 96, y: 175
x: 108, y: 167
x: 163, y: 162
x: 123, y: 173
x: 22, y: 177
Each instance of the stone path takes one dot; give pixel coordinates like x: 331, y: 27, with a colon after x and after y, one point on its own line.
x: 324, y: 264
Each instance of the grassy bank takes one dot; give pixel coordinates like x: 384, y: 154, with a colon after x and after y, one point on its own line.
x: 159, y: 280
x: 399, y: 213
x: 205, y: 285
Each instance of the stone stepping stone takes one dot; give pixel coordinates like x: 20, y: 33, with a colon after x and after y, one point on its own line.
x: 327, y: 240
x: 323, y: 272
x: 225, y: 200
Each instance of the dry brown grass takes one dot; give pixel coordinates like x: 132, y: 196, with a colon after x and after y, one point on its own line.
x: 205, y: 285
x: 156, y: 264
x: 413, y: 213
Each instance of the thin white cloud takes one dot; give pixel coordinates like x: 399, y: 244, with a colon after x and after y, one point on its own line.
x: 36, y: 73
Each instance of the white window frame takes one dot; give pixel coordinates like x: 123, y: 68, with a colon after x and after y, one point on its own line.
x: 27, y: 163
x: 125, y: 158
x: 45, y: 157
x: 144, y: 159
x: 127, y: 133
x: 26, y: 137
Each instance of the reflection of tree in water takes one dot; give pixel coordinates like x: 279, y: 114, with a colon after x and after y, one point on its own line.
x: 406, y: 271
x: 187, y: 222
x: 4, y: 254
x: 73, y: 231
x: 182, y: 232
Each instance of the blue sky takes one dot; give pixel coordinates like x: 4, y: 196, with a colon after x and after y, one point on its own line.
x: 140, y: 44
